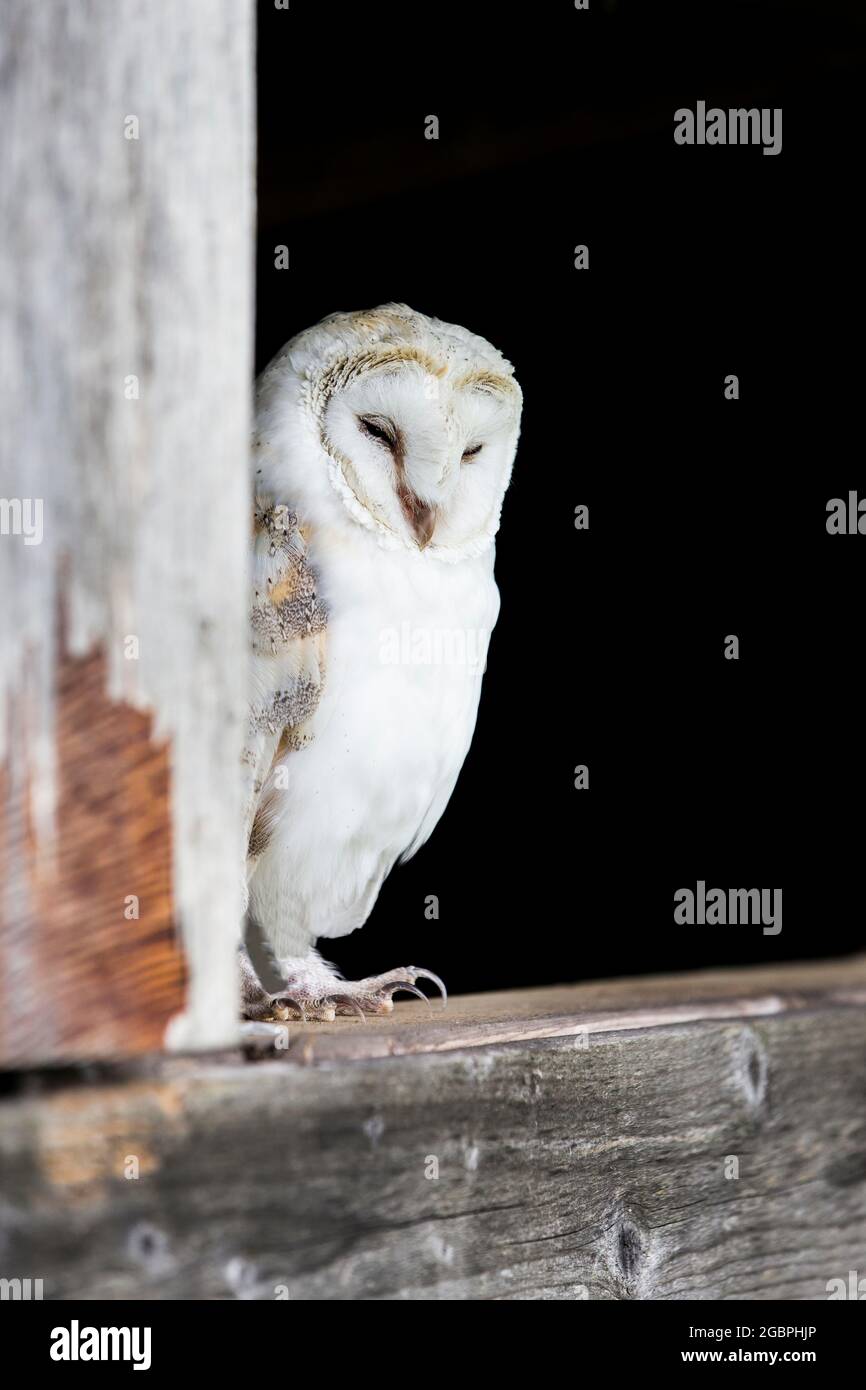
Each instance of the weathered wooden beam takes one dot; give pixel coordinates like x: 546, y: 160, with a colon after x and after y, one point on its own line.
x: 127, y: 167
x: 644, y: 1158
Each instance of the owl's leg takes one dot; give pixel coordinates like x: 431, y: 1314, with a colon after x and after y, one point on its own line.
x: 314, y: 991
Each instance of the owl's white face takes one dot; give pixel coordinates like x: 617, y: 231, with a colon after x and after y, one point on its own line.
x: 426, y: 455
x: 417, y: 423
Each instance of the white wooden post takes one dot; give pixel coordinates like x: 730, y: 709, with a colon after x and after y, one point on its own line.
x: 126, y: 300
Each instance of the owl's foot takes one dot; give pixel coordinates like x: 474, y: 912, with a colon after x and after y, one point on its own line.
x: 374, y: 995
x: 312, y: 992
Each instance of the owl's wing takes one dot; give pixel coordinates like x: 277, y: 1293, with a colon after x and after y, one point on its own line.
x: 289, y: 624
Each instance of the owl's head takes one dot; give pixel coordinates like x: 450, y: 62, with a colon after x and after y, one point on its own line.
x: 412, y: 422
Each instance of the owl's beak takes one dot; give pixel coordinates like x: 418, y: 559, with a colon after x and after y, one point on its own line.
x: 424, y: 524
x: 421, y: 517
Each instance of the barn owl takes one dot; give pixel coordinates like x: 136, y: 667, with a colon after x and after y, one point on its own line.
x: 383, y: 447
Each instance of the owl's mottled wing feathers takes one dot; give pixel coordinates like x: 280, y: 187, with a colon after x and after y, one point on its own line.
x: 289, y: 636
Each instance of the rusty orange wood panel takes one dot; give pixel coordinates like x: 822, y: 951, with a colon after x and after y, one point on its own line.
x: 79, y: 978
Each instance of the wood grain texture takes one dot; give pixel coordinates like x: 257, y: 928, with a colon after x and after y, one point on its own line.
x: 568, y: 1168
x: 80, y: 979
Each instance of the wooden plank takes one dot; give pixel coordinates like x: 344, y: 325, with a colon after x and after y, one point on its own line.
x: 595, y: 1166
x: 564, y: 1010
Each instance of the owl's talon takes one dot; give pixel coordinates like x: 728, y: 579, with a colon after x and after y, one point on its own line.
x: 350, y: 1003
x: 404, y: 978
x: 318, y: 1009
x: 410, y: 989
x: 314, y: 992
x: 428, y: 975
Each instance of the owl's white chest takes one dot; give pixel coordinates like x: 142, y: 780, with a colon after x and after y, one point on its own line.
x: 407, y: 647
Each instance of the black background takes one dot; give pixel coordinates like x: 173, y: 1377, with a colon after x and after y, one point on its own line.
x: 707, y: 516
